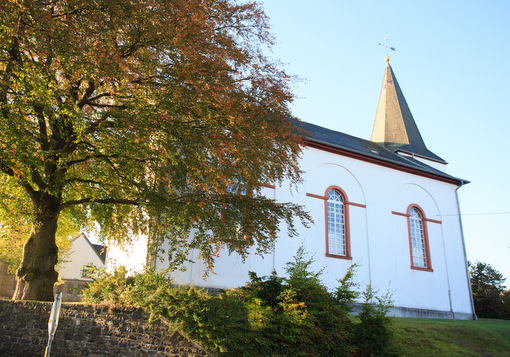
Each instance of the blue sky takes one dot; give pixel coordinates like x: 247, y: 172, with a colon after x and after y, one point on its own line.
x: 451, y: 61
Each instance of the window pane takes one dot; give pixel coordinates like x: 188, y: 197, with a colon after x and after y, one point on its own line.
x: 336, y: 224
x: 417, y: 239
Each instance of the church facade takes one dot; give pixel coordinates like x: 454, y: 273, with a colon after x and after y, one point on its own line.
x: 386, y: 204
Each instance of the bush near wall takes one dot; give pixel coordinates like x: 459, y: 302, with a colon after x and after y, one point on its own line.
x: 270, y: 316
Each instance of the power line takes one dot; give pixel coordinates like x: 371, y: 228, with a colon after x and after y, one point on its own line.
x: 478, y: 214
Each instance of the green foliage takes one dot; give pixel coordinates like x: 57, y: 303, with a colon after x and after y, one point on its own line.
x: 489, y: 295
x: 269, y: 316
x: 329, y: 326
x: 346, y: 293
x: 505, y: 302
x: 267, y: 289
x: 112, y: 289
x: 372, y: 334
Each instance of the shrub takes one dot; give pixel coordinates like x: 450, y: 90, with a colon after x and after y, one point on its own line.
x: 328, y: 326
x: 346, y: 293
x: 110, y: 288
x: 371, y: 336
x: 505, y: 305
x: 269, y: 316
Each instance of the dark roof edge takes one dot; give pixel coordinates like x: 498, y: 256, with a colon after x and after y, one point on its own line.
x: 336, y: 149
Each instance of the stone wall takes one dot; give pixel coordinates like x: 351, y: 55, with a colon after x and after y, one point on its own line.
x: 85, y: 330
x: 7, y: 281
x: 71, y: 289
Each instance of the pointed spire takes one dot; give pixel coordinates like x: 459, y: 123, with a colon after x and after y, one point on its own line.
x: 394, y: 125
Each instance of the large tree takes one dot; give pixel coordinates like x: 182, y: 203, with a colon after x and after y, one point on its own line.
x: 158, y: 117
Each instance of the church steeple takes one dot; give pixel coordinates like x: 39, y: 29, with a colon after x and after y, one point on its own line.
x: 394, y: 125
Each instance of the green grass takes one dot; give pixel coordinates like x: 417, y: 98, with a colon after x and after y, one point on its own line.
x: 429, y: 337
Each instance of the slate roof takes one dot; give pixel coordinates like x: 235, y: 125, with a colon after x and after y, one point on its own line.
x: 100, y: 250
x: 371, y: 151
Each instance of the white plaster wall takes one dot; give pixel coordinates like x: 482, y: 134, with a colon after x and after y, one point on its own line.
x: 81, y: 253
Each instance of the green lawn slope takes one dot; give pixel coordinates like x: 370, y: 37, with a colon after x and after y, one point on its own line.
x: 429, y: 337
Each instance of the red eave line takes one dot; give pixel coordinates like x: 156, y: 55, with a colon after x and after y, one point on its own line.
x: 376, y: 161
x: 317, y: 196
x: 325, y: 199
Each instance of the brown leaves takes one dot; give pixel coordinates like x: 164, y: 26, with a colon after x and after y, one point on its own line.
x: 161, y: 103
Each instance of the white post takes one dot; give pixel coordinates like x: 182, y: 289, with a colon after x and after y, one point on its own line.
x: 53, y: 322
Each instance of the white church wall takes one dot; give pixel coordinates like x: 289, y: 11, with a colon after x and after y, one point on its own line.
x: 456, y: 258
x: 322, y: 171
x: 131, y: 255
x: 382, y: 247
x: 230, y: 266
x: 379, y: 198
x: 415, y: 285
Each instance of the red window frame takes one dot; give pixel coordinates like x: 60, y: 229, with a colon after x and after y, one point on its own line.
x: 424, y: 221
x: 346, y: 223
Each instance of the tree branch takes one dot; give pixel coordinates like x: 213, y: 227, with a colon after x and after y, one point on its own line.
x: 88, y: 157
x: 43, y: 133
x: 36, y: 177
x: 95, y: 105
x: 6, y: 169
x: 88, y: 92
x: 102, y: 122
x: 120, y: 201
x: 99, y: 96
x: 77, y: 179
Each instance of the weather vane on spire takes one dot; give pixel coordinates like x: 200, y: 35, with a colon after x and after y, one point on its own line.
x: 385, y: 44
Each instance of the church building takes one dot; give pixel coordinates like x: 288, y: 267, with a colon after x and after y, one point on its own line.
x: 385, y: 204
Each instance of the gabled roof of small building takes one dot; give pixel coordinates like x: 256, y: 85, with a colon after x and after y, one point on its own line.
x: 100, y: 250
x: 394, y: 125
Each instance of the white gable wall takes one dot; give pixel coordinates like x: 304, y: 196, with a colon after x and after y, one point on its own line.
x: 81, y: 253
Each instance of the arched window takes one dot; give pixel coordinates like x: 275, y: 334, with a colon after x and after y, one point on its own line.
x: 418, y: 239
x: 337, y: 225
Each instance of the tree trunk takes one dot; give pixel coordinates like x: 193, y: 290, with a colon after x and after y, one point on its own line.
x: 36, y: 274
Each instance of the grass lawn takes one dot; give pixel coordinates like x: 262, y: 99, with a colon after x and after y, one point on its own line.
x: 429, y: 337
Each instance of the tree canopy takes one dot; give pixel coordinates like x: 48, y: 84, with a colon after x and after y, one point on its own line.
x: 489, y: 296
x: 138, y: 115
